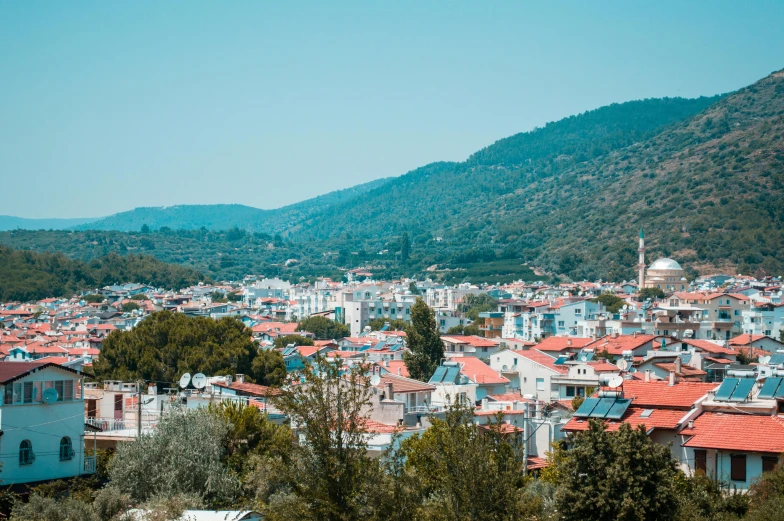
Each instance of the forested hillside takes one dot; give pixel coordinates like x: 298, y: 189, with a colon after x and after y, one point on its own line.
x: 703, y: 176
x: 26, y: 275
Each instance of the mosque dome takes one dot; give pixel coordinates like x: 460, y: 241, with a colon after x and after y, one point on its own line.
x: 665, y: 264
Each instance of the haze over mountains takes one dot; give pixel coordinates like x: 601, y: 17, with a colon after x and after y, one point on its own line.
x: 704, y: 176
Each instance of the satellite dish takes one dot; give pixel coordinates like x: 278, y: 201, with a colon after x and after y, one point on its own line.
x: 615, y: 382
x: 622, y: 364
x: 375, y: 380
x: 185, y: 380
x: 199, y: 381
x: 50, y: 395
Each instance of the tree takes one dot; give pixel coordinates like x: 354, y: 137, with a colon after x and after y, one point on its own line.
x: 184, y: 455
x: 424, y: 343
x: 611, y: 302
x: 139, y: 296
x: 412, y: 287
x: 165, y: 345
x: 268, y: 368
x: 130, y: 306
x: 394, y: 325
x: 324, y: 328
x: 650, y: 293
x: 297, y: 340
x: 405, y: 247
x: 620, y: 475
x: 464, y: 471
x: 475, y: 303
x: 468, y: 330
x: 333, y: 478
x: 93, y: 298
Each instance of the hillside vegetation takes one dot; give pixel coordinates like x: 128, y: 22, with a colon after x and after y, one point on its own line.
x: 703, y: 176
x: 26, y: 275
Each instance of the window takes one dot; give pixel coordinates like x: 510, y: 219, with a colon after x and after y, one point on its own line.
x: 738, y: 467
x: 540, y: 384
x: 66, y: 450
x: 17, y: 393
x: 28, y: 392
x: 569, y: 391
x: 769, y: 463
x: 37, y: 392
x: 26, y: 456
x: 58, y: 386
x: 68, y: 394
x: 560, y: 323
x: 700, y: 461
x: 8, y: 395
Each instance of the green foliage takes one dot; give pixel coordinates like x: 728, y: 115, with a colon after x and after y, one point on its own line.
x: 620, y: 475
x: 468, y: 330
x: 701, y: 498
x: 650, y: 293
x: 165, y: 345
x: 424, y: 343
x: 297, y: 340
x: 475, y: 303
x: 184, y: 455
x: 139, y: 296
x: 268, y: 368
x: 394, y: 325
x: 612, y: 302
x: 93, y: 298
x: 324, y: 328
x: 130, y: 306
x: 405, y: 247
x: 25, y: 275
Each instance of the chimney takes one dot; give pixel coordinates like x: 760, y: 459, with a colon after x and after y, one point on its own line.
x: 691, y: 424
x: 390, y: 395
x: 678, y: 365
x: 240, y: 378
x: 386, y: 363
x: 672, y: 377
x: 152, y: 389
x: 398, y: 372
x: 568, y: 342
x: 634, y: 334
x: 647, y: 375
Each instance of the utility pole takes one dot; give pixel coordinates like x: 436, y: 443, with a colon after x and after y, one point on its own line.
x: 139, y: 409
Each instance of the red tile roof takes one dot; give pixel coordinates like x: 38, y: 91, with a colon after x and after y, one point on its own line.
x: 741, y: 432
x: 10, y: 371
x: 562, y: 343
x: 474, y: 341
x: 745, y: 339
x: 708, y: 346
x: 477, y: 371
x: 657, y: 419
x: 249, y: 389
x: 401, y: 384
x: 379, y: 428
x: 660, y: 394
x: 542, y: 359
x: 617, y: 345
x: 394, y: 365
x: 509, y: 397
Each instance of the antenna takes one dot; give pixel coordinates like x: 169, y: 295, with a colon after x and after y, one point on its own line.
x: 622, y: 364
x: 185, y: 380
x: 50, y: 395
x: 199, y: 381
x: 615, y: 382
x: 375, y: 380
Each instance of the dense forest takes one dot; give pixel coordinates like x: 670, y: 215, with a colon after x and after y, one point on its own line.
x: 26, y: 275
x: 703, y: 176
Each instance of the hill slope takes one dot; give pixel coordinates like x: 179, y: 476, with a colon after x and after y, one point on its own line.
x: 8, y: 222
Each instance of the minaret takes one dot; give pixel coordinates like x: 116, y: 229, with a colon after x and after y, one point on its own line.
x: 641, y: 263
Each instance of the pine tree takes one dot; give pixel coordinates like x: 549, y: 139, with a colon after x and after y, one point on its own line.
x: 424, y: 342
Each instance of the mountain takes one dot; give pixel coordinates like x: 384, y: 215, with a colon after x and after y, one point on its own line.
x: 8, y: 222
x: 704, y: 176
x: 223, y: 216
x: 26, y: 275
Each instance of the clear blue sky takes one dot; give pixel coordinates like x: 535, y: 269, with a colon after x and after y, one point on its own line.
x: 105, y: 106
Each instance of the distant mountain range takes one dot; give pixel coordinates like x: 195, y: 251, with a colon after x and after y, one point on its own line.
x: 705, y: 177
x: 8, y: 222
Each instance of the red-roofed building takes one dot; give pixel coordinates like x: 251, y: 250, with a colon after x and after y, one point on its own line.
x: 638, y: 345
x: 530, y: 371
x: 470, y: 345
x: 755, y: 345
x: 562, y: 344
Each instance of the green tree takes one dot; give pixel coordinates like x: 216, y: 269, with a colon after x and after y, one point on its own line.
x: 93, y: 298
x: 165, y: 345
x: 465, y: 471
x: 130, y: 306
x: 268, y: 368
x: 468, y: 330
x: 611, y: 302
x: 424, y: 343
x: 297, y: 340
x: 333, y: 478
x: 620, y: 475
x: 140, y: 296
x: 475, y: 303
x: 324, y: 328
x: 394, y: 325
x: 650, y: 293
x: 405, y: 247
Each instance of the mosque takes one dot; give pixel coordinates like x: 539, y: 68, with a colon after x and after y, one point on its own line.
x: 665, y: 274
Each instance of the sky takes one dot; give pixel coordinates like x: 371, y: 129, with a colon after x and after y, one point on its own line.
x: 107, y: 106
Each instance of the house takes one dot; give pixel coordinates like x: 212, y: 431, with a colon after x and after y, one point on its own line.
x: 556, y: 345
x: 530, y: 371
x: 755, y: 345
x: 42, y: 422
x: 492, y: 324
x: 467, y: 379
x: 470, y: 345
x: 764, y: 318
x: 634, y: 345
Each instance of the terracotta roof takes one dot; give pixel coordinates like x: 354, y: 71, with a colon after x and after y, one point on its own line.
x: 708, y: 346
x: 536, y: 463
x: 617, y: 345
x: 603, y: 367
x: 562, y: 343
x: 477, y: 371
x: 379, y: 428
x: 749, y: 433
x: 249, y: 389
x: 401, y: 384
x: 745, y: 339
x: 508, y: 397
x: 394, y: 365
x: 474, y: 341
x: 655, y: 419
x: 660, y: 394
x: 542, y: 359
x: 686, y: 370
x: 10, y: 371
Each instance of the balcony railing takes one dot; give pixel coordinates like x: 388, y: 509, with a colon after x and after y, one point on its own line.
x: 111, y: 424
x: 423, y: 409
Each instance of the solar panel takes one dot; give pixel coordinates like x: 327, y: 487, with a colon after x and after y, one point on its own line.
x: 438, y: 375
x: 601, y: 410
x: 769, y: 388
x: 618, y: 409
x: 726, y: 389
x: 780, y: 391
x: 451, y: 374
x: 777, y: 359
x: 587, y: 407
x: 743, y: 389
x: 561, y: 360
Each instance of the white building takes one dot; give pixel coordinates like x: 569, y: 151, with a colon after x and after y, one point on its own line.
x: 42, y: 422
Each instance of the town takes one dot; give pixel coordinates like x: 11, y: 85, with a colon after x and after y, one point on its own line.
x: 699, y: 363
